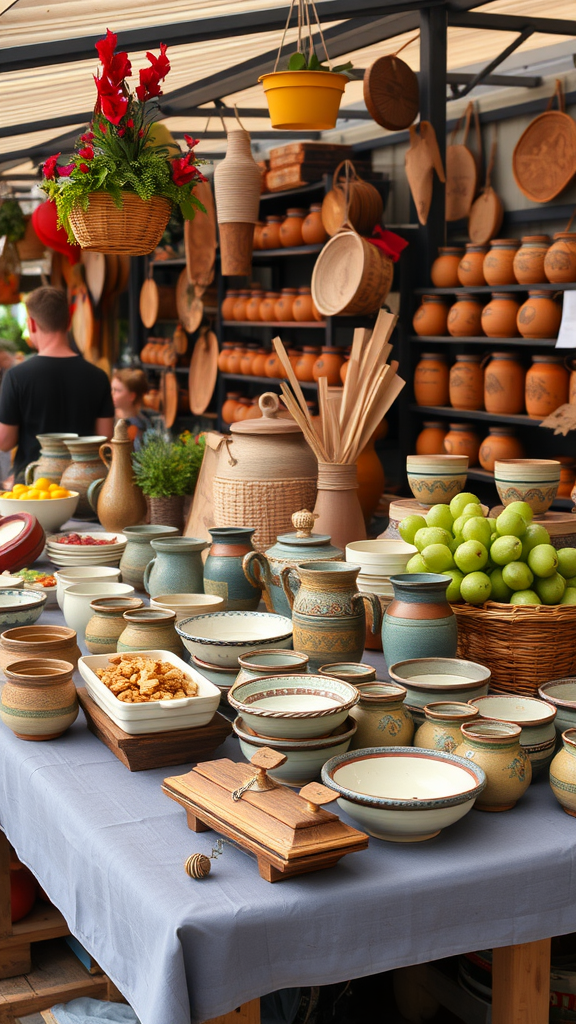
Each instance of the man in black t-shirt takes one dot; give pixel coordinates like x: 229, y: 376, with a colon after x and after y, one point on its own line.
x: 56, y: 391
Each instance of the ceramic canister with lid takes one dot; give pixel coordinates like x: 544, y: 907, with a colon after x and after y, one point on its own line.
x: 467, y: 383
x: 149, y: 629
x: 284, y: 306
x: 138, y: 551
x: 304, y: 365
x: 432, y: 379
x: 382, y: 718
x: 547, y: 383
x: 504, y: 384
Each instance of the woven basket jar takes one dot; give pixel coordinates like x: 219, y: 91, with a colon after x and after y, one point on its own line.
x: 351, y: 276
x: 237, y: 186
x: 265, y: 472
x: 134, y: 229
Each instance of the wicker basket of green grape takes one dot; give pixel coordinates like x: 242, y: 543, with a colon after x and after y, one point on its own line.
x: 513, y: 593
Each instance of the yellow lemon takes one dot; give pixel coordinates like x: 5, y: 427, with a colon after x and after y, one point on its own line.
x: 43, y: 496
x: 60, y: 493
x: 19, y: 488
x: 7, y: 494
x: 54, y: 487
x: 42, y: 484
x: 30, y: 495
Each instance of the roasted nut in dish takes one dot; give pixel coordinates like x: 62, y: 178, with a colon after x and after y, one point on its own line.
x: 137, y: 680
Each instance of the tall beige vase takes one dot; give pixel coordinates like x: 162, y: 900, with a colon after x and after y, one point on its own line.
x: 338, y: 511
x: 237, y: 187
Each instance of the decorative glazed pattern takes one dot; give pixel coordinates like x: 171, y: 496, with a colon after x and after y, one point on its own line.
x: 39, y: 698
x: 138, y: 551
x: 419, y: 622
x: 220, y: 638
x: 223, y: 572
x: 304, y: 758
x: 176, y: 568
x: 304, y: 706
x: 20, y: 608
x: 495, y: 746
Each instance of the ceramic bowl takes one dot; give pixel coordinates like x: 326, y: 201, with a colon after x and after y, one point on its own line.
x: 434, y: 679
x: 293, y: 707
x: 188, y: 606
x: 535, y: 481
x: 435, y: 479
x: 402, y: 794
x: 349, y: 672
x: 84, y: 574
x: 51, y: 513
x: 78, y: 598
x: 223, y: 678
x: 304, y: 758
x: 380, y: 558
x: 220, y: 638
x: 11, y: 582
x: 20, y: 607
x: 561, y: 693
x: 51, y: 592
x: 256, y: 664
x: 535, y: 718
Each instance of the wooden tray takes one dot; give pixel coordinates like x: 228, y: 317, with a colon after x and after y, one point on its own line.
x: 189, y: 305
x: 391, y: 93
x: 203, y: 372
x: 158, y: 749
x: 169, y: 398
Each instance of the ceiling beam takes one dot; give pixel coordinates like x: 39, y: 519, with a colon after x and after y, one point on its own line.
x: 511, y: 23
x: 521, y: 81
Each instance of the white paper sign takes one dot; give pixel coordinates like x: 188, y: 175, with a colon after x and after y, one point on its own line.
x: 567, y: 332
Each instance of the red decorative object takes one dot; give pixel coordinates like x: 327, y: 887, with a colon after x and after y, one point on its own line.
x: 20, y: 545
x: 44, y: 222
x: 388, y: 242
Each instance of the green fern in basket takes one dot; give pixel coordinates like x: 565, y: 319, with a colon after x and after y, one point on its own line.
x: 165, y: 468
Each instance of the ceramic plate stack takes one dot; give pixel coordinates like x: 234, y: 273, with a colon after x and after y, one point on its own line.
x: 64, y: 555
x: 378, y: 561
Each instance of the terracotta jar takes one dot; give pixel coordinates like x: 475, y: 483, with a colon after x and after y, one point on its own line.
x: 317, y: 314
x: 229, y: 406
x: 305, y: 363
x: 529, y: 259
x: 273, y: 366
x: 227, y: 347
x: 499, y: 261
x: 572, y: 386
x: 259, y: 363
x: 501, y: 443
x: 118, y: 499
x: 504, y: 382
x: 467, y: 384
x: 547, y: 383
x: 313, y: 230
x: 540, y: 316
x: 23, y: 643
x: 234, y: 359
x: 149, y: 629
x: 465, y: 317
x: 239, y: 310
x: 302, y: 307
x: 430, y: 319
x: 471, y: 266
x: 328, y: 365
x: 382, y: 718
x: 283, y: 307
x: 444, y: 270
x: 267, y: 306
x: 257, y: 240
x: 85, y: 467
x: 370, y: 474
x: 254, y: 412
x: 107, y: 622
x: 567, y: 475
x: 227, y: 307
x: 291, y: 228
x: 270, y: 237
x: 243, y: 406
x: 344, y: 368
x: 560, y: 260
x: 253, y: 304
x: 462, y: 439
x: 39, y: 699
x: 247, y: 359
x: 440, y: 729
x: 499, y: 316
x: 431, y: 379
x: 293, y: 355
x: 495, y: 747
x: 430, y: 440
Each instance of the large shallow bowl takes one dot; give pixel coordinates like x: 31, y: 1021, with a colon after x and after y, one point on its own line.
x: 220, y: 638
x: 293, y: 707
x: 76, y: 574
x: 535, y: 481
x: 433, y: 679
x: 152, y: 716
x: 435, y: 479
x: 535, y: 718
x: 188, y: 606
x: 51, y: 513
x: 304, y: 758
x: 380, y: 557
x: 561, y: 693
x: 403, y: 794
x: 20, y: 607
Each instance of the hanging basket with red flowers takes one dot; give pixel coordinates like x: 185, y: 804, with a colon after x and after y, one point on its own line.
x: 127, y: 173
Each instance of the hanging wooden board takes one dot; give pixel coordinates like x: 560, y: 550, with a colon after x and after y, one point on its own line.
x: 461, y: 170
x: 391, y: 93
x: 169, y: 398
x: 422, y: 159
x: 203, y: 372
x: 94, y: 264
x: 180, y: 340
x: 157, y: 302
x: 189, y: 306
x: 201, y: 516
x: 200, y: 239
x: 486, y: 216
x: 544, y: 159
x: 82, y: 320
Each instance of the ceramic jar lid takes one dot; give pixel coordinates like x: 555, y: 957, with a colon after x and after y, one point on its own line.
x: 269, y: 422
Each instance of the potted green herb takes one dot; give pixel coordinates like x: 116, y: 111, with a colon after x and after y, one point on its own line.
x: 167, y: 471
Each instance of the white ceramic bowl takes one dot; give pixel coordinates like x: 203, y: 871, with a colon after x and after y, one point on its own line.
x: 77, y: 599
x: 380, y: 557
x: 433, y: 679
x: 535, y: 718
x: 435, y: 479
x: 11, y: 582
x: 51, y: 513
x: 561, y: 693
x: 20, y: 607
x: 83, y: 574
x: 293, y: 707
x: 304, y: 758
x: 223, y: 678
x: 403, y: 794
x: 154, y: 716
x: 188, y: 605
x: 535, y: 481
x: 221, y: 637
x: 51, y: 593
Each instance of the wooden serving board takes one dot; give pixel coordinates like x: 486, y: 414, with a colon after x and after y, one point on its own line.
x: 157, y: 749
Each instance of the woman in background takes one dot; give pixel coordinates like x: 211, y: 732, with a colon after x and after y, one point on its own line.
x: 128, y: 389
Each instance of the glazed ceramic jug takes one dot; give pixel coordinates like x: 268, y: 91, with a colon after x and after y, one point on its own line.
x: 38, y: 700
x: 440, y: 729
x: 138, y: 551
x: 118, y: 500
x: 107, y: 623
x: 328, y: 617
x: 223, y: 572
x: 495, y: 747
x: 382, y: 719
x: 150, y: 629
x: 264, y: 570
x: 419, y: 622
x: 563, y: 773
x: 176, y: 567
x: 85, y: 467
x: 52, y: 460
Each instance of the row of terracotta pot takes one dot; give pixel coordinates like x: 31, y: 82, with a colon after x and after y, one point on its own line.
x: 297, y: 226
x: 258, y: 306
x: 531, y: 260
x: 159, y: 353
x: 309, y: 364
x: 502, y: 386
x: 503, y: 317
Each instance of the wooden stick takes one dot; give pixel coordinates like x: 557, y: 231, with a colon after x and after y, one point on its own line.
x: 361, y: 338
x: 361, y: 413
x: 324, y: 418
x: 305, y: 425
x: 283, y: 356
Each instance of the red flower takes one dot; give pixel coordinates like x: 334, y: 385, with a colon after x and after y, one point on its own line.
x: 161, y: 64
x: 66, y: 171
x: 129, y: 123
x: 49, y: 169
x: 84, y: 168
x: 141, y: 133
x: 121, y: 132
x: 190, y: 142
x: 116, y: 67
x: 87, y: 137
x: 184, y: 172
x: 113, y: 101
x: 151, y: 77
x: 87, y: 153
x: 104, y: 127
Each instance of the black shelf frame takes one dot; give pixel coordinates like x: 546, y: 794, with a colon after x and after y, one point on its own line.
x: 485, y: 341
x: 248, y: 378
x: 481, y: 289
x: 480, y: 415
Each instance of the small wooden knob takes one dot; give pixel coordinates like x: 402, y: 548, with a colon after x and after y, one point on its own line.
x: 315, y: 794
x: 303, y: 522
x: 266, y: 758
x: 197, y: 865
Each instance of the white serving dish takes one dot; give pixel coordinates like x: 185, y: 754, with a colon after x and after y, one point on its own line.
x: 304, y: 758
x: 114, y: 540
x: 51, y: 513
x: 188, y: 606
x: 433, y: 679
x: 380, y: 556
x: 403, y: 794
x: 11, y: 582
x: 561, y: 693
x: 78, y: 560
x: 76, y: 574
x: 155, y: 716
x: 220, y: 638
x: 20, y: 607
x: 77, y: 599
x: 296, y: 706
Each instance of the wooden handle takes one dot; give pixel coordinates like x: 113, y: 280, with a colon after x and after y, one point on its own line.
x: 316, y: 794
x: 267, y: 758
x: 288, y: 571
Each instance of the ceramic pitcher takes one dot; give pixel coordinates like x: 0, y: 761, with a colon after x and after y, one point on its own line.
x: 223, y: 572
x: 85, y: 467
x: 419, y: 622
x: 176, y: 567
x: 138, y: 551
x: 118, y: 500
x: 52, y: 460
x: 328, y: 614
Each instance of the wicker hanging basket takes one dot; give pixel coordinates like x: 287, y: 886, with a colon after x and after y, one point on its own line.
x: 522, y: 645
x: 134, y: 229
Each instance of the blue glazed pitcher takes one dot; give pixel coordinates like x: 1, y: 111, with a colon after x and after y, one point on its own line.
x: 223, y: 572
x: 177, y: 567
x: 419, y: 622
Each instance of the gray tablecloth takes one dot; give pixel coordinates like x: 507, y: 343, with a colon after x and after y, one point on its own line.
x: 109, y: 849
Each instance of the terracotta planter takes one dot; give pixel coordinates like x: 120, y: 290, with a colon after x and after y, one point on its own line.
x: 504, y: 384
x: 270, y: 236
x: 291, y: 228
x: 529, y: 259
x: 432, y: 380
x: 547, y: 384
x: 499, y: 316
x: 431, y: 318
x: 39, y: 700
x: 430, y: 440
x: 24, y: 643
x: 444, y: 270
x: 302, y: 307
x: 328, y: 365
x: 540, y: 316
x: 471, y: 266
x: 461, y: 439
x: 560, y: 260
x: 305, y: 363
x: 313, y: 230
x: 499, y: 262
x: 84, y: 466
x: 267, y: 306
x: 283, y: 307
x: 465, y: 318
x: 382, y: 718
x: 149, y: 629
x: 167, y: 511
x: 467, y: 384
x: 495, y: 747
x: 107, y: 624
x: 501, y: 443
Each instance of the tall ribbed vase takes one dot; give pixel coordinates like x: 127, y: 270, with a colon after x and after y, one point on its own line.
x: 237, y: 187
x: 338, y: 509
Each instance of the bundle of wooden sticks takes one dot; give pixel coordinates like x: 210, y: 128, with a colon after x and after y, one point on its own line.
x: 349, y: 415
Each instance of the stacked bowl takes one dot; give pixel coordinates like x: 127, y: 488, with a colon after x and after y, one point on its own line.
x: 378, y: 561
x: 105, y: 549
